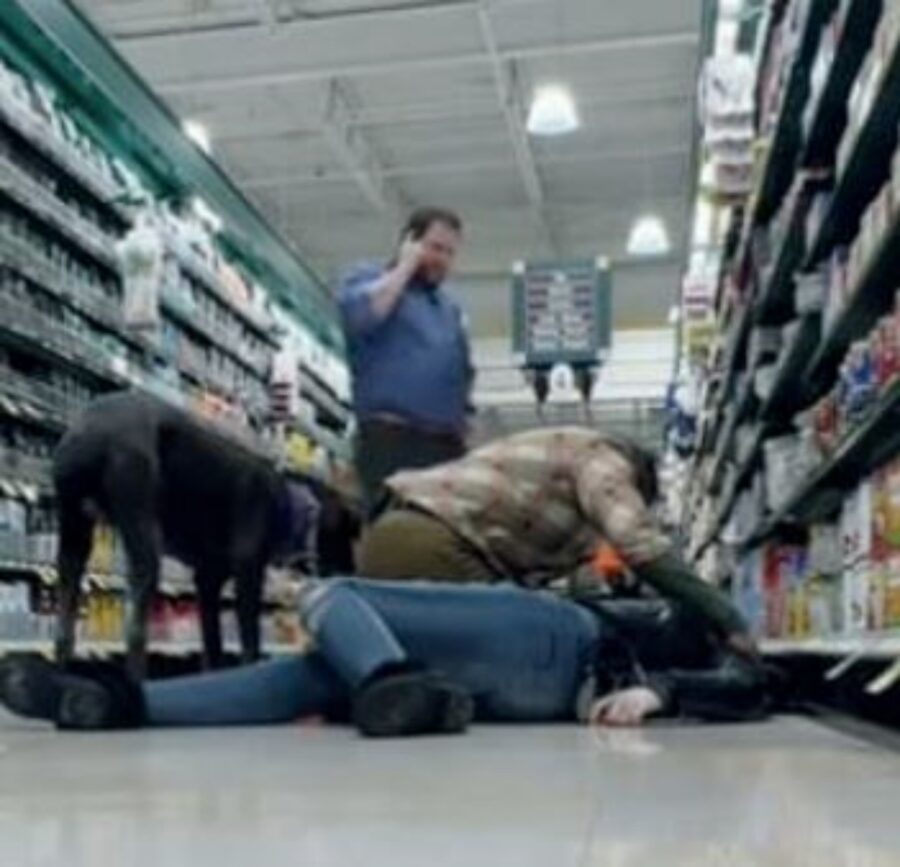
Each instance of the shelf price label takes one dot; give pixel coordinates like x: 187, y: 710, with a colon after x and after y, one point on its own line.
x: 562, y: 312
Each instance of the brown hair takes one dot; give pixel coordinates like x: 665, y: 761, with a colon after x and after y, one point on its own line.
x: 422, y: 219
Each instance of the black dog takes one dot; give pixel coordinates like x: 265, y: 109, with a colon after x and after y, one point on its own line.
x: 169, y: 484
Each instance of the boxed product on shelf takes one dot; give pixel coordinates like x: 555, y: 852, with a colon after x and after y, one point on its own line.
x: 837, y: 275
x: 811, y: 291
x: 887, y: 536
x: 764, y: 380
x: 765, y: 343
x: 857, y: 388
x: 857, y: 537
x: 821, y: 67
x: 825, y: 424
x: 788, y: 460
x: 819, y: 204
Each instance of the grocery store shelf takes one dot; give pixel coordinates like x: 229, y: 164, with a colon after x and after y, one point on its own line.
x: 781, y: 158
x: 97, y: 310
x: 195, y: 323
x: 57, y: 43
x: 874, y: 442
x: 57, y: 406
x: 195, y: 268
x: 36, y: 200
x: 739, y: 413
x: 24, y: 468
x: 337, y: 446
x: 13, y: 406
x: 867, y: 301
x: 54, y: 344
x: 789, y: 394
x: 870, y: 644
x: 776, y: 301
x: 116, y: 648
x: 45, y: 142
x: 830, y: 113
x: 322, y: 397
x: 866, y: 169
x: 737, y: 350
x: 742, y: 479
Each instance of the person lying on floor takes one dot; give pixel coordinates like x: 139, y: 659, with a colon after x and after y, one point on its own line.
x: 417, y: 658
x: 532, y: 508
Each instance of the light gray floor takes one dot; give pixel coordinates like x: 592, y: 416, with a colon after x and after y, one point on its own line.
x: 783, y: 793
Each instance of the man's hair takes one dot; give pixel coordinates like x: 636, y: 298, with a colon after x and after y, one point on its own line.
x: 643, y: 462
x: 422, y: 219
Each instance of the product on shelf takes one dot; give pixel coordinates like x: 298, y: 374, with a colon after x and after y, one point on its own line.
x: 102, y: 287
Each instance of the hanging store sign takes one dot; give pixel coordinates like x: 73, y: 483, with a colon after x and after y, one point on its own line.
x: 562, y: 312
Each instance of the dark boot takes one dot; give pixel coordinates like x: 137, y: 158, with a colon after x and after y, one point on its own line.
x: 83, y: 695
x: 30, y: 686
x: 404, y: 703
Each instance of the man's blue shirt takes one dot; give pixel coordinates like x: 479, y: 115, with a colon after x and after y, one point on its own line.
x: 413, y: 364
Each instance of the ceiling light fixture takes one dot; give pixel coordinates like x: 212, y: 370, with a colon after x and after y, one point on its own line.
x: 648, y: 237
x: 553, y: 111
x: 198, y: 134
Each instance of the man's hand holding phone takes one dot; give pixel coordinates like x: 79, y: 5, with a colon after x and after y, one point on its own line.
x: 410, y: 255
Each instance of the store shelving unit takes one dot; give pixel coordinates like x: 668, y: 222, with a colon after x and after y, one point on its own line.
x: 829, y: 115
x: 176, y: 649
x: 865, y: 169
x: 807, y: 366
x: 786, y: 138
x: 64, y: 336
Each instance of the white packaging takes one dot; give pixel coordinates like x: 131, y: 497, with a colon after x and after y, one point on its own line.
x: 142, y: 254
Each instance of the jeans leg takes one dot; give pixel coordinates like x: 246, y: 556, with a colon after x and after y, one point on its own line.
x: 521, y: 654
x: 348, y: 632
x: 276, y: 691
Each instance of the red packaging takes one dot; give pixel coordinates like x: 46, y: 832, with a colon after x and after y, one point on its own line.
x: 890, y: 351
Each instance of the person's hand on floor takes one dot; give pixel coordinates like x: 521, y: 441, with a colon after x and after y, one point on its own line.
x: 744, y: 645
x: 627, y: 707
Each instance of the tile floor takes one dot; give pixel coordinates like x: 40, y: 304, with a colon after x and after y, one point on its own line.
x: 784, y: 793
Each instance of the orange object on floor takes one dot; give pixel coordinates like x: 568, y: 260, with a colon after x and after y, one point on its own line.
x: 608, y: 564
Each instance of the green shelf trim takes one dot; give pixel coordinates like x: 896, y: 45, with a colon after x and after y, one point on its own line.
x: 51, y: 40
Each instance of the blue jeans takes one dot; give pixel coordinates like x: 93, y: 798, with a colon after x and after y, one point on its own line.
x: 521, y: 654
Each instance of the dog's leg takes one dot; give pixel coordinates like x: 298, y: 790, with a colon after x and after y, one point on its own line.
x: 144, y: 549
x: 132, y: 490
x: 76, y: 530
x: 209, y: 582
x: 249, y: 594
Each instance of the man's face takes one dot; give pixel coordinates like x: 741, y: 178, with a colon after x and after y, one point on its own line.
x: 441, y: 245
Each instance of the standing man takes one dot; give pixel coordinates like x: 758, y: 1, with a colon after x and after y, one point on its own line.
x: 409, y: 354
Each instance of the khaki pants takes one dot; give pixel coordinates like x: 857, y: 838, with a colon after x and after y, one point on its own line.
x: 404, y: 544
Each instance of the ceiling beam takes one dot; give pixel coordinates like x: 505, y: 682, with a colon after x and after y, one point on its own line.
x: 244, y: 129
x: 504, y: 83
x: 230, y: 82
x: 251, y: 182
x: 122, y: 24
x: 355, y: 152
